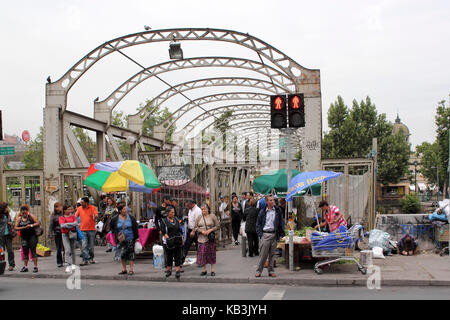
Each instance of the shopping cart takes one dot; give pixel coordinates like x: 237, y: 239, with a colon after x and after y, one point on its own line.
x: 341, y: 247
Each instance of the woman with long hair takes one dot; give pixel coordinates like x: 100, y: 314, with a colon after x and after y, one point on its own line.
x: 68, y: 223
x: 25, y: 223
x: 236, y: 216
x: 54, y: 230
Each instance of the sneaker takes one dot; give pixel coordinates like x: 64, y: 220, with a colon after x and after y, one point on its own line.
x: 69, y: 269
x: 24, y: 269
x: 60, y: 265
x: 11, y: 269
x: 35, y: 270
x: 92, y: 262
x: 84, y: 263
x: 109, y: 250
x: 177, y: 274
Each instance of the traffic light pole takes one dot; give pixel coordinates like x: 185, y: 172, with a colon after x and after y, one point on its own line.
x: 288, y: 132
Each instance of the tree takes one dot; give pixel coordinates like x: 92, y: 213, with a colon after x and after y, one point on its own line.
x: 351, y: 134
x: 158, y: 117
x: 119, y: 119
x: 429, y: 154
x: 222, y: 125
x: 34, y: 156
x: 442, y: 121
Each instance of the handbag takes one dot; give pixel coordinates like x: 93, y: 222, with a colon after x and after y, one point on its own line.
x: 211, y: 235
x: 38, y: 231
x: 121, y: 237
x: 73, y: 234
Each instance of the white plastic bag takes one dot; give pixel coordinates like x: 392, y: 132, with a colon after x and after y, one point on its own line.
x: 137, y: 247
x: 99, y: 226
x: 158, y: 257
x: 242, y: 230
x: 378, y: 253
x: 379, y: 238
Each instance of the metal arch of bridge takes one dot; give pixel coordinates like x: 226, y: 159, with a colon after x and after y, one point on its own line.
x: 250, y: 107
x: 255, y: 116
x: 219, y: 97
x: 291, y: 68
x: 305, y: 80
x: 280, y: 81
x: 246, y: 125
x: 136, y: 121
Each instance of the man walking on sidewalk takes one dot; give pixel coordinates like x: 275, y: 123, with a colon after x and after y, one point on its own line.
x: 88, y: 216
x: 270, y: 228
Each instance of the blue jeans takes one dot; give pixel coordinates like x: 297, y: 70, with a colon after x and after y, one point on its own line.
x: 88, y: 245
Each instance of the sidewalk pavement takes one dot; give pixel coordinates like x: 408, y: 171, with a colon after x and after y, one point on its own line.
x: 425, y: 269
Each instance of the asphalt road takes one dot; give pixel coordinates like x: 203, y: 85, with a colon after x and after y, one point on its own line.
x: 113, y: 290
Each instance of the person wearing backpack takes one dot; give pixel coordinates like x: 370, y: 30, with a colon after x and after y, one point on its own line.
x: 173, y: 238
x: 68, y: 223
x: 125, y: 229
x: 26, y: 224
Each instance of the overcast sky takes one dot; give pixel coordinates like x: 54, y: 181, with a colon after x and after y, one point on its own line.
x: 396, y: 51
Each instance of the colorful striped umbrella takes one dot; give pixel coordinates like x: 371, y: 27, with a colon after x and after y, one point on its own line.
x: 122, y: 176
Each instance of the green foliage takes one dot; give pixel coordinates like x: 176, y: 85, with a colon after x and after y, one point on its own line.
x: 87, y: 143
x: 158, y: 117
x: 34, y: 156
x: 351, y: 134
x: 429, y: 154
x: 393, y: 153
x: 222, y: 124
x: 442, y: 120
x: 411, y: 204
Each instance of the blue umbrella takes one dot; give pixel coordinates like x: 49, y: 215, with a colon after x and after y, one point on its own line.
x: 307, y: 179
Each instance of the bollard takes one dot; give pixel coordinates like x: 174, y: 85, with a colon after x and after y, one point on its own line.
x: 244, y: 246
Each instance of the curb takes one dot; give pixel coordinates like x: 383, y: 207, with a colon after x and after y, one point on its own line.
x: 285, y: 282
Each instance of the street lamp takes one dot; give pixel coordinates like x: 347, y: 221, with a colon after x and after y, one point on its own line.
x: 175, y: 51
x: 415, y: 175
x: 437, y: 176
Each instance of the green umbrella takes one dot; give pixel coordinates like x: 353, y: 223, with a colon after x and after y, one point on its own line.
x: 277, y: 181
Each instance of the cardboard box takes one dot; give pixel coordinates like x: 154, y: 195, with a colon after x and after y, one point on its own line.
x: 41, y: 253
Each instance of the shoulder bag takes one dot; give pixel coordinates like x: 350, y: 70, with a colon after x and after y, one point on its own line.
x: 38, y: 231
x: 121, y: 237
x: 211, y: 235
x: 73, y: 233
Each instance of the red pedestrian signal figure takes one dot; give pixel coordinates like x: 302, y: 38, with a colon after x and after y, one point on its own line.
x: 278, y: 102
x: 278, y: 112
x: 295, y: 102
x: 296, y: 110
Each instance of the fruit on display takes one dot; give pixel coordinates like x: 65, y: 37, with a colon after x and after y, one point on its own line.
x: 42, y: 248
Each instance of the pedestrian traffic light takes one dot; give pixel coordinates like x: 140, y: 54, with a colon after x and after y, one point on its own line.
x: 296, y: 110
x: 278, y: 116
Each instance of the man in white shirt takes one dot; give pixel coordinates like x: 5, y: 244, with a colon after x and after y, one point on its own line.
x: 194, y: 212
x: 243, y: 201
